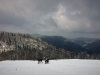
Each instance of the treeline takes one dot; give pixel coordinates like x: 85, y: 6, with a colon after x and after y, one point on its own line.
x: 51, y: 54
x: 16, y: 46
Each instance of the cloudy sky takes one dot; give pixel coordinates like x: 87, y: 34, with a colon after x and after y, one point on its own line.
x: 69, y: 18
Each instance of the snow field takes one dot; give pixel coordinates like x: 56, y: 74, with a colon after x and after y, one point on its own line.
x: 55, y: 67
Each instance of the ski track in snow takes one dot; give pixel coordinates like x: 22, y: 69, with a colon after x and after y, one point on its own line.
x: 55, y: 67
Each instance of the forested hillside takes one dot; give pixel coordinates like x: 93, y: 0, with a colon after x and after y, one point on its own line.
x: 94, y: 47
x: 64, y: 43
x: 17, y: 46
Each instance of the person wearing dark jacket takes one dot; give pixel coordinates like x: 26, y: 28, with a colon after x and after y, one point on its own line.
x: 46, y: 61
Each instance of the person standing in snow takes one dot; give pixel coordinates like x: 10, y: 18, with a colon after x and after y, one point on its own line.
x: 46, y: 61
x: 39, y: 61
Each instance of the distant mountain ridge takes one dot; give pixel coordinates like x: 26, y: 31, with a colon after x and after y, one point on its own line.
x: 83, y: 41
x: 94, y: 46
x: 61, y: 42
x: 18, y: 46
x: 76, y: 44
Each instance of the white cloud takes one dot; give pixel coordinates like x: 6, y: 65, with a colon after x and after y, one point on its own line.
x: 75, y: 13
x: 62, y: 20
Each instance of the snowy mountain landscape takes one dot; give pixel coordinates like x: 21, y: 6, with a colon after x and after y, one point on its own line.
x: 49, y: 37
x: 19, y: 46
x: 55, y: 67
x: 91, y: 45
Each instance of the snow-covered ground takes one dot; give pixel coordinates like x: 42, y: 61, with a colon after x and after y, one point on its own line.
x: 55, y: 67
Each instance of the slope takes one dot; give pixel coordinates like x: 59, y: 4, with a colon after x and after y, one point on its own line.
x: 84, y: 41
x: 94, y: 47
x: 61, y: 42
x: 17, y: 46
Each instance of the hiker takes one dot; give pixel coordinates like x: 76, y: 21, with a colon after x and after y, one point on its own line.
x: 46, y: 61
x: 40, y: 61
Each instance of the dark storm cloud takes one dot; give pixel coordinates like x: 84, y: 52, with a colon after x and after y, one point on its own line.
x: 93, y: 10
x: 11, y: 19
x: 53, y: 17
